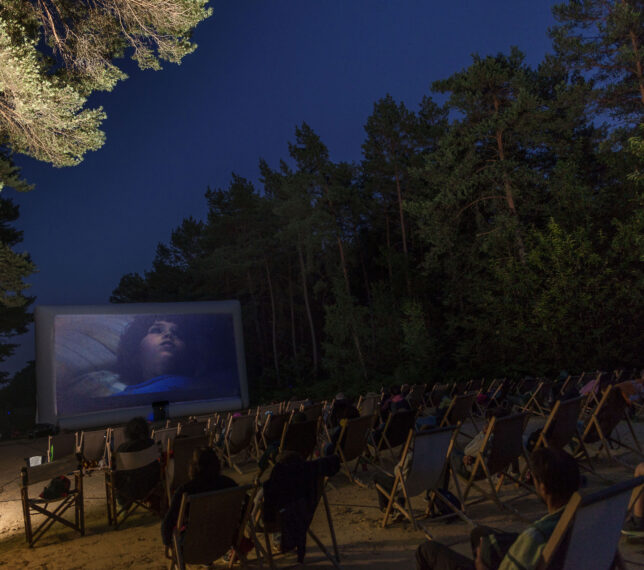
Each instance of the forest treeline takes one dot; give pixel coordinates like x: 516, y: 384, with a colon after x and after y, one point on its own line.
x: 495, y: 230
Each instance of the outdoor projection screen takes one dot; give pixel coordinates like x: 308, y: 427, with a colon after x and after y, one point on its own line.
x: 104, y: 364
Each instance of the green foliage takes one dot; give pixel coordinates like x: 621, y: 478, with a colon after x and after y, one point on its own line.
x: 54, y: 54
x: 15, y: 268
x: 605, y: 40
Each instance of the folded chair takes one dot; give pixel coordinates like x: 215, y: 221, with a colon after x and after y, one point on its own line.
x: 133, y: 476
x: 352, y: 443
x: 180, y: 453
x: 588, y: 531
x: 209, y: 525
x: 36, y: 506
x: 301, y: 437
x: 395, y: 431
x: 238, y: 438
x: 602, y: 425
x: 501, y: 449
x: 459, y: 411
x: 423, y: 467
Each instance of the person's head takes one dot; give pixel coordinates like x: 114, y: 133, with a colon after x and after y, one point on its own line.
x: 394, y: 390
x: 205, y: 464
x: 153, y: 345
x: 137, y: 429
x: 556, y: 475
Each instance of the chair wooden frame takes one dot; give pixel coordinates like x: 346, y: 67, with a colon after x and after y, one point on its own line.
x: 217, y: 523
x: 459, y: 410
x: 123, y: 461
x: 352, y: 443
x: 502, y: 445
x: 179, y: 456
x: 32, y: 506
x: 567, y: 536
x: 301, y: 437
x: 394, y: 433
x: 593, y: 425
x: 536, y: 403
x: 427, y: 446
x: 67, y: 444
x: 245, y: 425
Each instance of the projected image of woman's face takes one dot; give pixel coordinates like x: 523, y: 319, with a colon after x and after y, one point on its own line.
x: 162, y: 349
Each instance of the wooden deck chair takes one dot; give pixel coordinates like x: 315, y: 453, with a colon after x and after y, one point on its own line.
x: 301, y: 437
x: 115, y: 437
x: 368, y: 405
x: 272, y: 408
x: 501, y: 448
x: 191, y: 429
x: 538, y: 401
x: 434, y: 397
x: 294, y: 405
x: 474, y: 385
x: 93, y: 448
x: 117, y: 476
x: 162, y: 436
x: 271, y: 431
x: 561, y: 427
x: 314, y: 411
x: 35, y: 506
x: 179, y: 456
x: 459, y: 411
x: 422, y: 468
x: 62, y: 445
x: 352, y: 443
x: 589, y: 529
x: 238, y: 438
x: 602, y: 425
x: 416, y: 396
x: 395, y: 432
x: 209, y: 525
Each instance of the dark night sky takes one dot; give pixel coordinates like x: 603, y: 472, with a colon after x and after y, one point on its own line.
x: 262, y: 67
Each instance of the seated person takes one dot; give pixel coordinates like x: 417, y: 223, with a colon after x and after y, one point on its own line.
x: 556, y: 478
x: 291, y: 495
x: 348, y: 412
x: 464, y: 459
x: 205, y: 475
x: 135, y: 484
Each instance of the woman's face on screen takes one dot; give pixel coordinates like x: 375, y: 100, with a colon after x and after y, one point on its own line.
x: 161, y: 349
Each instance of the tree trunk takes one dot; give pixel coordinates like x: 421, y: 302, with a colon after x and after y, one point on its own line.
x: 509, y: 198
x: 274, y: 323
x: 314, y: 344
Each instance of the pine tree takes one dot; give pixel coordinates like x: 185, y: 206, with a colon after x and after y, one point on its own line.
x: 605, y: 39
x: 53, y: 54
x: 14, y: 269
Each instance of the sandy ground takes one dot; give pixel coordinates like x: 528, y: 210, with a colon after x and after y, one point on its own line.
x: 362, y: 541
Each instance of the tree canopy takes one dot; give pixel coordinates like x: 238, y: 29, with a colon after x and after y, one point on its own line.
x: 54, y: 54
